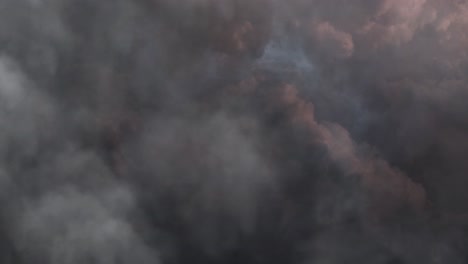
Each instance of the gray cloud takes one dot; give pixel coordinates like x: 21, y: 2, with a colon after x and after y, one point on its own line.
x: 161, y: 131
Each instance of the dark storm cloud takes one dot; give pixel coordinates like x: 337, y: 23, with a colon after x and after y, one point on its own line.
x: 158, y: 131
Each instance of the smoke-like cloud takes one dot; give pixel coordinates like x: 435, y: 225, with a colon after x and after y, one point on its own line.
x: 302, y: 131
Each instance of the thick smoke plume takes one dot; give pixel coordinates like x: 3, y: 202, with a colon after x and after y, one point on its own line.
x: 233, y: 131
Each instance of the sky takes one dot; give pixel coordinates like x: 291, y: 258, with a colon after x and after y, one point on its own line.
x: 233, y: 131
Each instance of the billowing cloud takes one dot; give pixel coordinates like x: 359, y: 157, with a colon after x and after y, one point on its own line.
x: 331, y: 42
x: 233, y: 131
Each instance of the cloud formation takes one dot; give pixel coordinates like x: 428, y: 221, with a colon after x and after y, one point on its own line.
x: 233, y: 131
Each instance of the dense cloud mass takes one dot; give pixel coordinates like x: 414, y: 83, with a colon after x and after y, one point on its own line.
x: 233, y: 131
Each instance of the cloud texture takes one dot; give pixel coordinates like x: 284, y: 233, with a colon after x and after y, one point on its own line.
x: 233, y: 131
